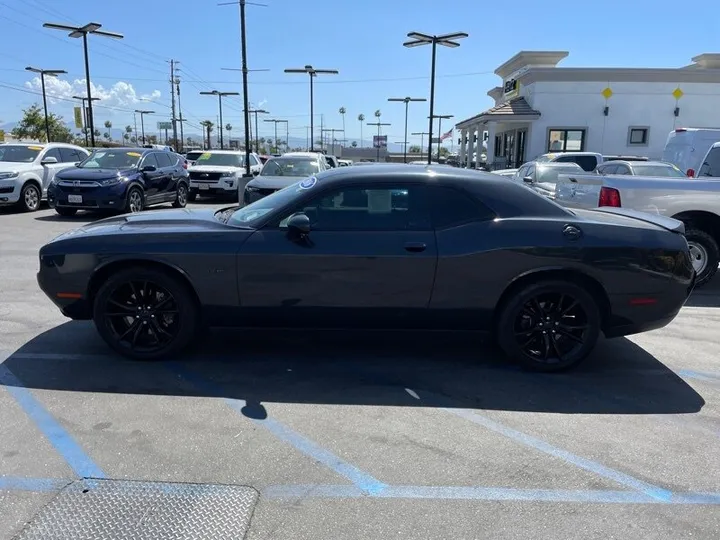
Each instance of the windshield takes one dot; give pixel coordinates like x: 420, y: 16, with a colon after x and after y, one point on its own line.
x: 192, y: 156
x: 19, y: 154
x: 111, y: 159
x: 290, y: 167
x: 658, y: 170
x: 550, y: 174
x: 251, y: 214
x: 545, y: 158
x: 222, y: 160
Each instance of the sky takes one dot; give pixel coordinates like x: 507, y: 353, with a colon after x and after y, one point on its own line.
x: 362, y: 40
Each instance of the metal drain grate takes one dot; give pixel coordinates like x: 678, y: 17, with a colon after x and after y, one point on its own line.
x: 128, y: 510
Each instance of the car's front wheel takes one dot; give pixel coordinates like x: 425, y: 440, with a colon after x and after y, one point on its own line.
x: 549, y: 325
x: 30, y: 197
x: 181, y: 196
x: 704, y: 253
x: 135, y: 201
x: 145, y: 314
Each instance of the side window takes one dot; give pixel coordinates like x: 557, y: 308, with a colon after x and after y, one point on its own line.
x: 588, y: 163
x: 622, y: 169
x: 54, y: 152
x: 607, y: 169
x: 391, y: 208
x: 522, y: 172
x: 253, y: 160
x: 69, y: 155
x: 711, y: 165
x: 163, y: 159
x: 451, y: 207
x: 149, y: 159
x: 566, y: 159
x: 530, y: 172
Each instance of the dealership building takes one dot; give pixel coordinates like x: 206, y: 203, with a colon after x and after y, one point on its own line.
x: 540, y: 107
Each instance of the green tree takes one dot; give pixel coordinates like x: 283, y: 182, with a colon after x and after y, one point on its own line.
x: 208, y: 126
x: 354, y: 144
x: 414, y: 149
x: 32, y: 126
x: 444, y: 151
x: 108, y: 126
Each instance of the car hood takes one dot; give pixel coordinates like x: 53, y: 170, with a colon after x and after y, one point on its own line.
x: 11, y: 166
x: 154, y: 221
x: 214, y: 168
x: 273, y: 182
x: 77, y: 173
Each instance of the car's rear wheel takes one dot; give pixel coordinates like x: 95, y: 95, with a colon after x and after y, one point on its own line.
x: 134, y: 202
x: 145, y: 314
x: 30, y: 197
x: 66, y: 212
x: 181, y: 197
x: 549, y: 325
x: 704, y: 253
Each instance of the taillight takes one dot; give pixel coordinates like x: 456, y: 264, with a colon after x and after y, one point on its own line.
x: 185, y: 164
x: 609, y: 197
x: 690, y: 173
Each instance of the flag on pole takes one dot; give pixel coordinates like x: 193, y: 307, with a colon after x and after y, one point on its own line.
x: 446, y: 135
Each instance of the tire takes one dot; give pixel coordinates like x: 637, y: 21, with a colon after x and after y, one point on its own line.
x: 555, y: 331
x: 705, y: 254
x: 191, y: 196
x: 175, y: 313
x: 66, y: 212
x: 134, y: 201
x: 181, y: 197
x: 30, y: 197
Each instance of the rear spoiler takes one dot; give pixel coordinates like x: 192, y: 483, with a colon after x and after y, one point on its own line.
x: 667, y: 223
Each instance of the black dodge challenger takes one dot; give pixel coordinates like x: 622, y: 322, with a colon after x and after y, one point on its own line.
x: 390, y: 246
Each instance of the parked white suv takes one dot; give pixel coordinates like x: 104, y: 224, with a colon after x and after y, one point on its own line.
x: 221, y: 172
x: 26, y: 171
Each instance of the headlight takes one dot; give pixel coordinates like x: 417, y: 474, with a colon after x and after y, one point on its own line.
x: 112, y: 181
x: 227, y: 175
x: 8, y: 175
x: 251, y: 189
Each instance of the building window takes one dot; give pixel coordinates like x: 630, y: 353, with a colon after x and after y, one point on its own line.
x: 637, y: 136
x: 498, y: 146
x: 566, y: 140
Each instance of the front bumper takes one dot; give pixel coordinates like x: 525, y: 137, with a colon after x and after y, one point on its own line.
x: 88, y: 198
x: 9, y: 191
x: 72, y: 304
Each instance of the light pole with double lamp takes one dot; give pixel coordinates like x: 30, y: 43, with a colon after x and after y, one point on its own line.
x: 220, y: 95
x: 83, y: 31
x: 257, y: 137
x: 446, y: 40
x: 440, y: 118
x: 422, y: 138
x: 407, y: 101
x: 276, y: 122
x: 312, y: 72
x: 43, y: 73
x: 86, y: 124
x: 142, y: 121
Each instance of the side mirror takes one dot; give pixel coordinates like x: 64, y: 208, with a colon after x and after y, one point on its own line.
x: 528, y: 180
x: 299, y: 223
x: 255, y: 173
x: 149, y: 168
x: 49, y: 161
x: 77, y: 163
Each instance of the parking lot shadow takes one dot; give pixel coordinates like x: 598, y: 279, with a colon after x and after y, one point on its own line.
x: 357, y: 368
x: 707, y: 295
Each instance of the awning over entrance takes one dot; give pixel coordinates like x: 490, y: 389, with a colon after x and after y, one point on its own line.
x: 514, y: 110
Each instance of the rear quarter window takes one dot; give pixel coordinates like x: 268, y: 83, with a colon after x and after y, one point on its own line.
x: 451, y: 207
x: 711, y: 165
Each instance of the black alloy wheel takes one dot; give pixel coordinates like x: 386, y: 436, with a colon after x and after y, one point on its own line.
x: 549, y: 326
x: 181, y: 196
x: 145, y: 314
x: 135, y: 201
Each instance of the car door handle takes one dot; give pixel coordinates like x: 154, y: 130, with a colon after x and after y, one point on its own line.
x: 415, y: 247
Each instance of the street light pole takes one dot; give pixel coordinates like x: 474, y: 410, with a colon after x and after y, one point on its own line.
x: 312, y: 72
x: 85, y: 116
x: 49, y: 73
x: 418, y: 39
x: 407, y: 101
x: 220, y: 95
x: 142, y: 121
x: 257, y: 136
x: 422, y: 138
x: 440, y: 118
x: 276, y: 122
x: 378, y: 124
x: 83, y: 31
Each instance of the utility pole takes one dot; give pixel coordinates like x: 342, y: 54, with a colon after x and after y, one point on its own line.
x: 332, y: 134
x: 173, y: 63
x: 181, y: 120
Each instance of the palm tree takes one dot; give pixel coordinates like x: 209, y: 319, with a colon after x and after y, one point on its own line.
x: 128, y: 133
x: 342, y: 112
x: 108, y: 126
x: 208, y: 125
x: 354, y: 144
x: 361, y: 119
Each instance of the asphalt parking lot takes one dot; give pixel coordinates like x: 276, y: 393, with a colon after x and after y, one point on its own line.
x: 358, y: 436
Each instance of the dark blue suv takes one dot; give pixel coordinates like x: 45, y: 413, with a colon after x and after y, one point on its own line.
x: 122, y: 180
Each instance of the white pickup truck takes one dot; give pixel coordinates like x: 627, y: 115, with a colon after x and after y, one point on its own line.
x: 694, y: 202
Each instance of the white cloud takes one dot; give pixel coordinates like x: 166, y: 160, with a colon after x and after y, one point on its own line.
x: 262, y: 103
x: 121, y: 94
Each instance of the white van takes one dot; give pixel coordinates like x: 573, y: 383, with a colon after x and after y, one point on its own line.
x: 686, y: 147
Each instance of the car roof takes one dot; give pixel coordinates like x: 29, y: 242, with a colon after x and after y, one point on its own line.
x: 127, y: 149
x: 309, y: 154
x: 556, y: 164
x: 226, y: 152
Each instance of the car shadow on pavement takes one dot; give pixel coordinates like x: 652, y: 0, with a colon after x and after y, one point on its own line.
x: 707, y: 295
x: 404, y: 369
